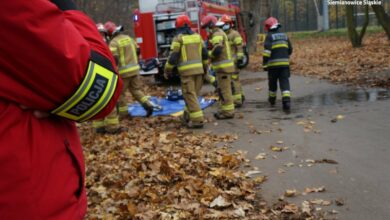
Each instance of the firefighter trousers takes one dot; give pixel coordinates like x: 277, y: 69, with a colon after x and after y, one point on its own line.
x: 191, y: 86
x: 237, y: 89
x: 282, y: 75
x: 226, y: 102
x: 134, y: 85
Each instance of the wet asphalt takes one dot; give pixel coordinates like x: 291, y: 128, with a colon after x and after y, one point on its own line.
x: 345, y: 128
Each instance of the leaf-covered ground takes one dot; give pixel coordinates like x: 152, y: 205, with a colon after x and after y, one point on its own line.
x: 334, y: 59
x: 158, y: 170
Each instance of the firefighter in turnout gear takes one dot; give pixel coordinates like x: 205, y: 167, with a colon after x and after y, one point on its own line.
x: 222, y: 63
x: 277, y: 50
x: 109, y: 124
x: 125, y: 51
x: 190, y: 57
x: 236, y: 47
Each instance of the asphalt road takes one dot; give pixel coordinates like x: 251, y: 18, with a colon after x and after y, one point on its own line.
x: 359, y: 141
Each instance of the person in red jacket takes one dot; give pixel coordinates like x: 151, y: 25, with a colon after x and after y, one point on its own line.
x: 55, y: 64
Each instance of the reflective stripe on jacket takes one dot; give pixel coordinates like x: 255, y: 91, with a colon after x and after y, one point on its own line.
x: 236, y: 44
x: 186, y: 54
x: 277, y: 50
x: 125, y: 49
x: 223, y: 63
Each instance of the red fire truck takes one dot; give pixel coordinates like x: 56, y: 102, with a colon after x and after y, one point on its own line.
x: 154, y: 26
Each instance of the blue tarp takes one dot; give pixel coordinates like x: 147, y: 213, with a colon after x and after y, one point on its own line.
x: 169, y: 107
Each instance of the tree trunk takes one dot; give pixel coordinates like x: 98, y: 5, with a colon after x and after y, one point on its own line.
x: 355, y: 38
x: 383, y: 18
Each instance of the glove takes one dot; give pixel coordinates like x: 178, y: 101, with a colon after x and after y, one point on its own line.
x: 239, y: 63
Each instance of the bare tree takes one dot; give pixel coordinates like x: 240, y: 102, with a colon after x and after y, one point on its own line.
x: 355, y: 37
x: 383, y: 18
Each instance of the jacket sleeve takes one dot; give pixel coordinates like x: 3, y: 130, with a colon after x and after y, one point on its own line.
x: 217, y: 41
x: 267, y: 51
x: 238, y: 43
x: 54, y: 60
x: 290, y: 48
x: 174, y: 55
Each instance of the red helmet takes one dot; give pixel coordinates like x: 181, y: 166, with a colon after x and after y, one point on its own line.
x: 226, y: 19
x: 208, y: 21
x: 110, y: 27
x: 183, y: 20
x: 270, y: 22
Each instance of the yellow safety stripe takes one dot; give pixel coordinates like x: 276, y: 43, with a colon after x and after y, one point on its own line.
x: 98, y: 124
x: 240, y: 54
x: 196, y: 114
x: 227, y: 107
x: 168, y: 66
x: 238, y: 40
x: 191, y: 39
x: 134, y: 51
x: 212, y: 78
x: 144, y: 99
x: 265, y: 66
x: 129, y: 68
x: 184, y: 54
x: 111, y: 121
x: 228, y: 49
x: 237, y: 97
x: 216, y: 39
x: 235, y: 76
x: 113, y: 49
x: 123, y: 108
x: 279, y: 46
x: 223, y: 65
x: 94, y: 93
x: 286, y: 93
x: 271, y: 94
x: 266, y: 54
x: 205, y: 62
x: 175, y: 45
x: 190, y: 66
x: 278, y: 64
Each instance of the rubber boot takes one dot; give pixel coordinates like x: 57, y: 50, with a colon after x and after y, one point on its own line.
x: 195, y: 125
x: 222, y: 116
x: 148, y: 108
x: 272, y: 101
x: 286, y: 101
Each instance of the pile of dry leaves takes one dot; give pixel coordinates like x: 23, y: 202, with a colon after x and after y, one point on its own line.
x: 158, y: 170
x: 334, y: 59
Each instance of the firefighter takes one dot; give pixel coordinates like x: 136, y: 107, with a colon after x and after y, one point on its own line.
x: 71, y: 77
x: 236, y: 45
x: 223, y: 65
x: 109, y: 124
x: 190, y: 57
x: 277, y: 50
x: 125, y: 51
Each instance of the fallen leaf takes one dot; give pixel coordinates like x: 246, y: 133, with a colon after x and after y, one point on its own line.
x: 261, y: 156
x: 276, y: 149
x: 220, y: 202
x: 290, y: 193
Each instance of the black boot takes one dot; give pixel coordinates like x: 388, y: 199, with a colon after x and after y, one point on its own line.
x: 148, y: 108
x: 286, y: 101
x: 272, y: 101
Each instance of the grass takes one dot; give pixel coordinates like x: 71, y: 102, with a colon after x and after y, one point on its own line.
x: 342, y: 32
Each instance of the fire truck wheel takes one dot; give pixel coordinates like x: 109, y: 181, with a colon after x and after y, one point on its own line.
x: 245, y: 60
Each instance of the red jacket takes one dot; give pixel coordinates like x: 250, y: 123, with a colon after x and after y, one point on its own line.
x: 44, y: 57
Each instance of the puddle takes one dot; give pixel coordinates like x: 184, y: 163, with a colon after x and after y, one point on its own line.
x: 328, y: 98
x: 340, y: 97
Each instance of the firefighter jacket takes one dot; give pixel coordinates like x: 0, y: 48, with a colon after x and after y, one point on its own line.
x: 221, y: 54
x: 188, y: 54
x: 236, y: 44
x: 54, y: 60
x: 277, y: 50
x: 124, y: 48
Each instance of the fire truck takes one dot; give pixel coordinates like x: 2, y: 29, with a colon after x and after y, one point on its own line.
x: 154, y: 27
